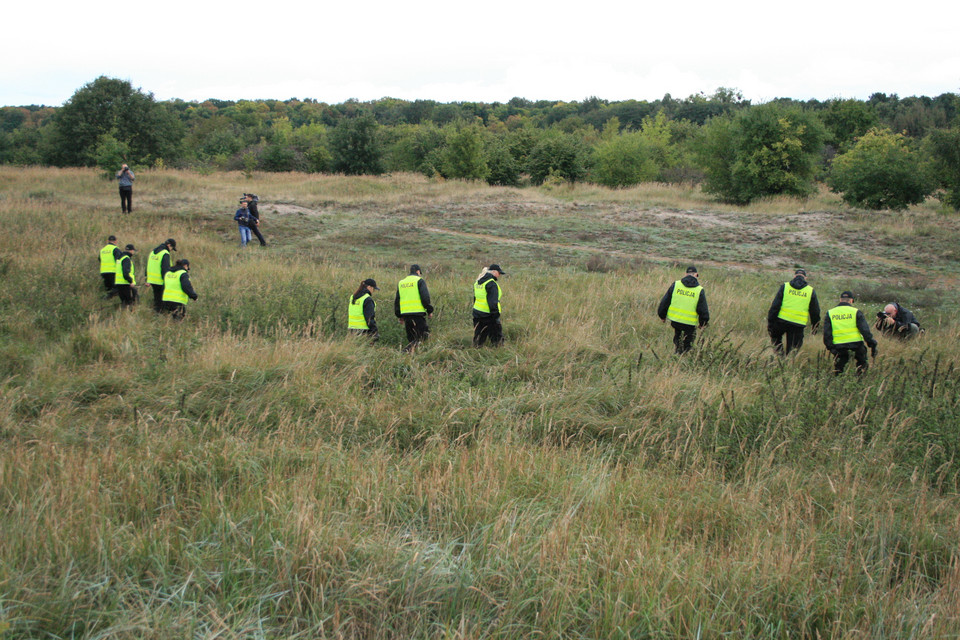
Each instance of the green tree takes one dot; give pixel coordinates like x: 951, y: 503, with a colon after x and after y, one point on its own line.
x: 110, y: 106
x: 881, y: 171
x: 559, y: 154
x: 110, y: 153
x: 623, y: 160
x: 766, y: 150
x: 464, y: 155
x: 355, y: 146
x: 943, y: 148
x: 504, y: 168
x: 847, y: 120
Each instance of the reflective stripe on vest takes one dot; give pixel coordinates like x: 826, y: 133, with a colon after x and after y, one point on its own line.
x: 410, y: 295
x: 154, y: 262
x: 108, y: 264
x: 480, y: 296
x: 357, y: 319
x: 683, y: 304
x: 795, y: 307
x: 119, y: 271
x: 172, y: 288
x: 843, y: 321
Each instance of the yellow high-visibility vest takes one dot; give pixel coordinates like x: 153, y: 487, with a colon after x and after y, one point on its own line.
x: 154, y: 262
x: 843, y: 321
x: 410, y: 295
x: 795, y: 307
x: 480, y: 296
x: 119, y: 271
x: 683, y: 304
x: 357, y: 319
x: 172, y: 287
x: 108, y: 264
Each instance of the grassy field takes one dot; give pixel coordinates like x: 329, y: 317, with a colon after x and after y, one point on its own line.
x: 253, y: 472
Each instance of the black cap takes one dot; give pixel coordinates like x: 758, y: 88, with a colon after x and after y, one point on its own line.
x: 172, y: 243
x: 112, y: 239
x: 130, y: 247
x: 847, y: 294
x: 800, y: 272
x: 414, y: 268
x: 370, y: 282
x: 692, y: 269
x: 184, y: 262
x: 496, y: 267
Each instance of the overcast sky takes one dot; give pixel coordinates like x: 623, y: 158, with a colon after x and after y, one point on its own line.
x: 484, y: 51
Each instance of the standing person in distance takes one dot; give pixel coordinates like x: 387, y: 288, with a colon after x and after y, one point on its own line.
x: 126, y: 279
x: 125, y: 178
x: 685, y: 305
x: 486, y: 307
x: 794, y: 304
x: 362, y: 309
x: 845, y: 330
x: 242, y: 216
x: 177, y: 289
x: 158, y: 264
x: 412, y: 306
x: 109, y: 255
x: 252, y: 201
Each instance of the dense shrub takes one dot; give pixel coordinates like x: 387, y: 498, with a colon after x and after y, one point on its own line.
x: 880, y: 172
x: 504, y: 170
x: 623, y: 160
x: 464, y: 156
x: 943, y: 147
x: 558, y: 154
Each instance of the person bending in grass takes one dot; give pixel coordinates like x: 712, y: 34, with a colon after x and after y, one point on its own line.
x: 844, y: 332
x: 177, y: 289
x: 685, y: 305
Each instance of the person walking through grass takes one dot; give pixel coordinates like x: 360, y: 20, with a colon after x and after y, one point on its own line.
x: 126, y: 279
x: 254, y: 225
x: 125, y: 178
x: 177, y: 289
x: 158, y: 264
x: 412, y: 307
x: 362, y: 310
x: 242, y: 216
x: 109, y: 255
x: 794, y: 304
x: 685, y: 305
x: 486, y: 307
x: 845, y: 330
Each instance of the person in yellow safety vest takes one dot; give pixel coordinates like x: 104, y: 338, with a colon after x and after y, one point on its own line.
x: 486, y: 307
x: 845, y: 329
x: 794, y: 304
x: 685, y: 305
x: 412, y: 306
x: 108, y: 265
x: 177, y: 289
x: 362, y: 310
x: 126, y: 279
x: 158, y: 264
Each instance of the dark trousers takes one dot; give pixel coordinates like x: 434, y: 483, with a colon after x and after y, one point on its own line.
x: 108, y: 280
x: 842, y: 355
x: 255, y: 228
x: 484, y: 328
x: 157, y: 297
x: 175, y: 309
x: 683, y: 336
x: 128, y: 295
x: 793, y: 332
x: 417, y: 330
x: 126, y: 199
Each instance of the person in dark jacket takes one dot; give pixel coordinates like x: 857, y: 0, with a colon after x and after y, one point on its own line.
x: 685, y: 305
x: 362, y: 310
x: 126, y: 279
x: 177, y: 288
x: 254, y: 212
x: 125, y: 179
x: 242, y: 216
x: 845, y: 330
x: 109, y: 255
x: 897, y: 321
x: 795, y: 303
x: 158, y: 264
x: 412, y: 307
x: 486, y: 307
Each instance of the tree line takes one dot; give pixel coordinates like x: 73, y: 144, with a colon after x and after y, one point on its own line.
x: 883, y: 152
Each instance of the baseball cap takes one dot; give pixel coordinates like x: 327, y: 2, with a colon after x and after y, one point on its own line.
x: 800, y: 272
x: 847, y: 294
x: 184, y: 262
x: 414, y: 268
x: 172, y: 243
x: 496, y: 267
x: 692, y: 269
x: 130, y: 247
x: 370, y: 282
x: 112, y: 239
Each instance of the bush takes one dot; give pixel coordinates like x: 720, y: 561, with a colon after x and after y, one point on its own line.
x: 763, y: 151
x: 356, y: 146
x: 464, y: 157
x: 880, y: 172
x: 504, y: 169
x: 560, y: 155
x: 622, y: 161
x: 943, y: 147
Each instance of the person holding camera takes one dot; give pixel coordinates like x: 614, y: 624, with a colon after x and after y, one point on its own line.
x: 125, y: 177
x: 252, y: 201
x: 242, y: 216
x: 896, y: 321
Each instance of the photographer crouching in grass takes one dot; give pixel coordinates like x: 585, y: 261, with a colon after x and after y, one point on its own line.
x: 896, y: 321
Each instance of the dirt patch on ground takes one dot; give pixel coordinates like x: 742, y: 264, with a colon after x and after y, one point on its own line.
x: 290, y: 209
